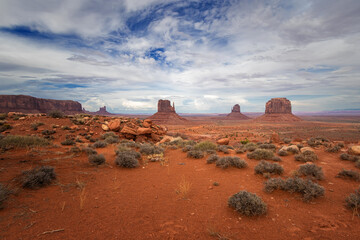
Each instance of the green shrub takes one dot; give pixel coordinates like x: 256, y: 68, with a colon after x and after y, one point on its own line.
x: 195, y: 154
x: 149, y: 149
x: 244, y: 142
x: 95, y: 159
x: 353, y: 201
x: 127, y: 159
x: 266, y: 167
x: 205, y: 146
x: 68, y: 142
x: 55, y: 114
x: 38, y: 177
x: 311, y: 170
x: 212, y: 158
x: 4, y: 194
x: 306, y: 156
x: 349, y: 174
x: 225, y: 162
x: 17, y: 141
x: 248, y: 204
x: 259, y: 154
x: 307, y: 188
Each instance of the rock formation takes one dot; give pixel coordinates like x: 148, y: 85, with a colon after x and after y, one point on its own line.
x: 166, y: 113
x: 28, y: 104
x: 278, y: 110
x: 236, y: 114
x: 102, y: 112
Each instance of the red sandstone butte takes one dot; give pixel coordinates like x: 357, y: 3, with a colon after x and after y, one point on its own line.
x: 236, y: 114
x: 278, y: 110
x: 166, y: 113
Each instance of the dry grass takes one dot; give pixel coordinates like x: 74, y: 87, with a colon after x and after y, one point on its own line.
x: 184, y: 188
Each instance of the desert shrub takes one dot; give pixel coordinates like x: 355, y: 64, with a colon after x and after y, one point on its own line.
x: 130, y: 144
x: 250, y: 146
x: 357, y: 164
x: 311, y: 170
x: 3, y: 116
x: 34, y: 126
x: 225, y: 162
x: 240, y: 150
x: 306, y: 156
x: 75, y: 149
x: 268, y: 146
x: 4, y: 194
x: 353, y: 201
x: 96, y: 159
x: 313, y: 142
x: 307, y: 188
x: 38, y: 177
x: 156, y: 157
x: 349, y: 174
x: 48, y: 132
x: 276, y: 159
x: 18, y: 141
x: 148, y: 149
x: 205, y: 146
x: 244, y: 142
x: 283, y: 153
x: 55, y: 114
x: 99, y: 144
x: 287, y: 140
x: 223, y: 148
x: 299, y: 145
x: 212, y: 158
x: 348, y: 157
x: 187, y: 148
x: 266, y: 167
x: 110, y: 137
x: 259, y: 154
x: 89, y: 150
x: 248, y: 204
x: 127, y: 159
x: 195, y: 154
x: 5, y: 127
x: 68, y: 142
x: 65, y: 128
x: 333, y: 149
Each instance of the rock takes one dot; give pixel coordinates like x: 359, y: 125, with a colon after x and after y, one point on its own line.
x: 102, y: 111
x: 104, y: 127
x: 141, y: 138
x: 165, y: 106
x: 114, y: 125
x: 142, y: 131
x: 355, y: 150
x: 166, y: 139
x: 22, y: 118
x: 166, y: 113
x: 236, y: 114
x: 128, y: 130
x: 278, y: 110
x: 155, y: 137
x: 236, y: 108
x: 28, y: 104
x: 290, y: 149
x: 304, y: 149
x: 74, y: 127
x: 223, y: 141
x: 147, y: 123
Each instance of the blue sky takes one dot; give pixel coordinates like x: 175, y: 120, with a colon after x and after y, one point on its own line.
x: 205, y: 56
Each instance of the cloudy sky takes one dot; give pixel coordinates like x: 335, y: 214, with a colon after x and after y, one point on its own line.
x: 204, y: 55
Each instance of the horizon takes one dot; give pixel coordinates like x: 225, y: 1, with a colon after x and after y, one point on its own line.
x: 206, y: 56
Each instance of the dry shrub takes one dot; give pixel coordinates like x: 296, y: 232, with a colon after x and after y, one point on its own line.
x: 89, y: 150
x: 266, y: 167
x: 225, y: 162
x: 333, y: 149
x: 184, y: 188
x: 128, y: 159
x: 55, y: 114
x: 4, y: 194
x: 311, y: 170
x: 195, y: 154
x: 259, y: 154
x: 353, y: 202
x: 205, y: 146
x: 68, y: 142
x: 268, y: 146
x: 99, y: 144
x: 248, y: 204
x: 250, y: 146
x: 349, y: 174
x: 187, y: 148
x: 149, y: 149
x: 306, y: 156
x: 348, y: 157
x: 95, y: 159
x: 38, y: 177
x: 314, y: 142
x: 223, y: 148
x: 17, y: 141
x: 212, y: 158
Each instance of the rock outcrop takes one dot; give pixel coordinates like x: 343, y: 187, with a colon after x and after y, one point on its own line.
x: 102, y: 112
x: 29, y: 104
x: 166, y: 114
x: 236, y: 114
x: 278, y: 110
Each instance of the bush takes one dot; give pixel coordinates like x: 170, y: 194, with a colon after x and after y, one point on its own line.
x: 287, y: 140
x: 250, y: 147
x: 225, y: 162
x: 34, y: 126
x: 68, y: 142
x: 149, y: 149
x: 89, y: 151
x: 95, y: 159
x: 311, y: 170
x: 5, y: 127
x: 48, y: 132
x: 212, y: 158
x: 248, y: 204
x: 314, y: 142
x: 283, y: 153
x: 353, y: 201
x: 239, y: 150
x: 306, y: 156
x: 99, y: 144
x: 266, y: 167
x: 18, y: 141
x: 38, y: 177
x: 357, y: 164
x: 333, y: 149
x: 75, y: 149
x: 56, y: 114
x: 205, y: 146
x: 110, y: 137
x: 259, y: 154
x: 349, y: 174
x: 308, y: 188
x: 348, y: 157
x: 195, y: 154
x: 127, y: 159
x: 187, y: 148
x: 223, y: 148
x: 4, y: 194
x: 276, y: 159
x: 267, y: 146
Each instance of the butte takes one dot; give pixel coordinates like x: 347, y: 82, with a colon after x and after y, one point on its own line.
x: 278, y: 110
x: 166, y: 113
x: 236, y: 114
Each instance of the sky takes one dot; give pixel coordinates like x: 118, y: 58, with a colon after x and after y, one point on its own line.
x: 205, y: 56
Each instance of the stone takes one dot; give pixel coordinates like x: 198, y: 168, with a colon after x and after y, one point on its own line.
x: 165, y: 106
x: 355, y: 150
x: 104, y: 127
x: 290, y: 149
x: 236, y: 114
x: 147, y: 123
x: 278, y: 105
x: 166, y: 139
x: 304, y: 149
x: 128, y: 130
x: 223, y: 141
x: 114, y: 125
x: 22, y: 118
x: 142, y: 131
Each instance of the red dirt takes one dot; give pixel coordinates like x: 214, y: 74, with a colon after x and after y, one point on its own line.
x: 142, y: 203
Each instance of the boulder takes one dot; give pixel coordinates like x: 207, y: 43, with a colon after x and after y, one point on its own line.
x: 166, y: 139
x: 223, y: 141
x: 104, y: 127
x: 147, y: 123
x: 114, y: 125
x: 355, y: 150
x: 128, y: 130
x: 142, y: 131
x: 290, y: 149
x: 304, y: 149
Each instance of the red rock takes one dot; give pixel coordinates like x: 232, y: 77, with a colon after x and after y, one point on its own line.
x: 223, y: 141
x: 278, y: 110
x: 142, y: 131
x: 114, y: 125
x: 165, y: 106
x: 141, y: 138
x: 236, y: 114
x: 354, y: 150
x: 166, y: 113
x: 104, y: 127
x: 155, y: 137
x: 128, y: 130
x: 147, y: 123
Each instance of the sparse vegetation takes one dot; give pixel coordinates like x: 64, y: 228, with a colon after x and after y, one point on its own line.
x: 250, y: 146
x: 68, y: 142
x: 148, y: 149
x: 349, y: 174
x: 96, y: 159
x: 187, y: 148
x: 287, y: 140
x: 212, y: 158
x: 38, y: 177
x: 5, y: 127
x: 248, y: 204
x: 266, y: 167
x: 353, y: 202
x: 223, y: 148
x: 89, y: 151
x: 184, y: 188
x: 34, y: 126
x: 110, y: 138
x: 48, y: 132
x: 195, y: 154
x: 99, y: 144
x: 307, y: 188
x: 333, y: 149
x: 306, y: 156
x: 314, y: 142
x: 311, y: 170
x: 259, y: 154
x: 348, y: 157
x: 268, y: 146
x: 205, y: 146
x: 56, y: 114
x: 17, y: 141
x: 4, y: 194
x: 127, y: 159
x: 225, y: 162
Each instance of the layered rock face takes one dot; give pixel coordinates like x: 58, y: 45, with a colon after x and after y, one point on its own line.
x: 28, y: 104
x: 102, y: 111
x: 166, y: 113
x: 278, y: 110
x: 236, y: 114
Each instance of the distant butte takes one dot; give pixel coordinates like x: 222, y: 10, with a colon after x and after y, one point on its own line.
x: 236, y: 114
x: 102, y: 112
x: 166, y: 113
x: 278, y: 110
